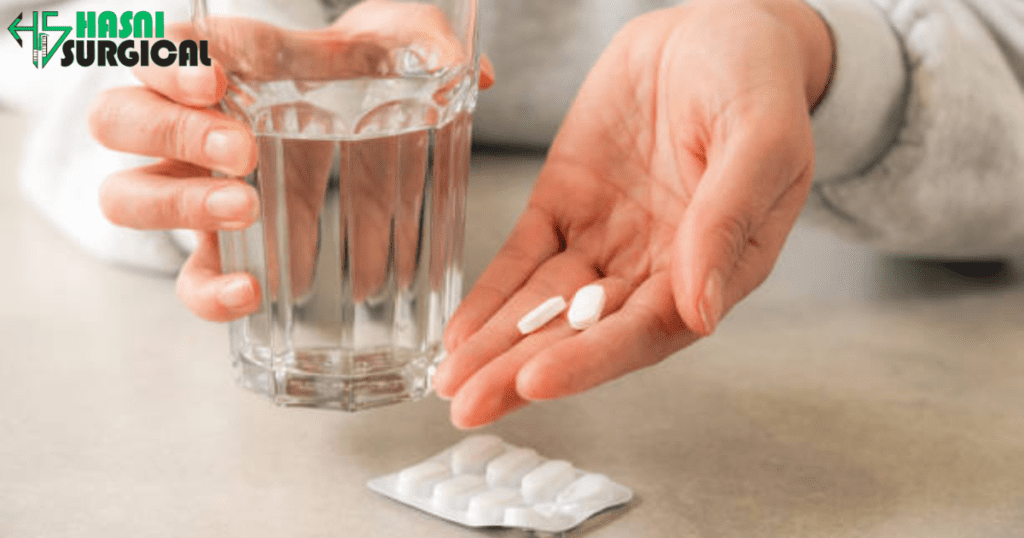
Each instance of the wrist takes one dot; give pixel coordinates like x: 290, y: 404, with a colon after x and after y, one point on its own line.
x: 814, y: 38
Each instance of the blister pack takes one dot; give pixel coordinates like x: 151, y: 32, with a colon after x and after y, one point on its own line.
x: 483, y: 481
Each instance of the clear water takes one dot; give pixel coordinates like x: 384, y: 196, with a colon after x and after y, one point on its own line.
x: 358, y: 250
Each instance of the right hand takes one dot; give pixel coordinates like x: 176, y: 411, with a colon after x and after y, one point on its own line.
x: 687, y: 156
x: 172, y: 117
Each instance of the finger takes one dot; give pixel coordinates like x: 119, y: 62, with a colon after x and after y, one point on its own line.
x: 491, y: 392
x: 196, y: 86
x: 371, y: 168
x: 645, y: 330
x: 561, y: 275
x: 211, y: 295
x: 359, y: 44
x: 413, y: 170
x: 362, y: 43
x: 260, y: 51
x: 307, y: 165
x: 486, y: 72
x: 138, y: 120
x: 533, y: 240
x: 743, y: 181
x: 172, y: 195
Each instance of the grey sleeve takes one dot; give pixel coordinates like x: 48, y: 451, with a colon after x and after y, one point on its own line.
x: 920, y: 139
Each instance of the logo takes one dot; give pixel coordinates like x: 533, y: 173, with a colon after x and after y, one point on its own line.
x: 106, y: 39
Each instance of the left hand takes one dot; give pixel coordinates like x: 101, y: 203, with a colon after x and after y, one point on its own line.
x: 172, y: 116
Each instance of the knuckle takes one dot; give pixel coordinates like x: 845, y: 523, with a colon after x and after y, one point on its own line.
x: 167, y: 209
x: 180, y: 133
x: 127, y: 198
x: 181, y: 206
x: 104, y: 113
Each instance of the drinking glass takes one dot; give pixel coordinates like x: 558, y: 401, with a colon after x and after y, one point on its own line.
x: 362, y: 115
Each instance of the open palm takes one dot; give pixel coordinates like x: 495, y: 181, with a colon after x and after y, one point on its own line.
x: 674, y: 180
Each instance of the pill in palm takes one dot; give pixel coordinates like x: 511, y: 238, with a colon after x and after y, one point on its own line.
x: 540, y: 316
x: 587, y: 305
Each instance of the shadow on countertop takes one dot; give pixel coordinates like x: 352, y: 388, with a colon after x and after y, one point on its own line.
x: 911, y: 278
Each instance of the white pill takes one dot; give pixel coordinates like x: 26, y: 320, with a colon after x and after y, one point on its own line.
x: 527, y: 518
x: 589, y: 490
x: 488, y: 508
x: 546, y: 481
x: 419, y: 480
x: 546, y: 509
x: 538, y: 317
x: 472, y: 454
x: 454, y: 494
x: 509, y: 468
x: 587, y: 306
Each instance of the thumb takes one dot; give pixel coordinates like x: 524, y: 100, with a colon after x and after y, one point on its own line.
x: 486, y: 72
x: 741, y: 185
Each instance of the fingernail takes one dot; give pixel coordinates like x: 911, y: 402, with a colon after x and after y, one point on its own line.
x: 232, y: 204
x: 236, y: 294
x: 193, y: 80
x: 227, y: 150
x: 710, y: 305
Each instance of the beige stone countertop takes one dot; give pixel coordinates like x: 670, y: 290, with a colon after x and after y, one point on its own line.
x: 850, y: 396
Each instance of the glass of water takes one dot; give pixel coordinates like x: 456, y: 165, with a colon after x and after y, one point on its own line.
x: 362, y: 113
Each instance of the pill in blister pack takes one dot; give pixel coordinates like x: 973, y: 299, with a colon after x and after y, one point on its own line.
x: 483, y: 481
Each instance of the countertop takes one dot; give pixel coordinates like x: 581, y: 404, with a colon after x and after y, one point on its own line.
x: 853, y: 395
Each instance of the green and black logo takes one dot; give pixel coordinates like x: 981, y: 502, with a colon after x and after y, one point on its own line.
x: 106, y: 39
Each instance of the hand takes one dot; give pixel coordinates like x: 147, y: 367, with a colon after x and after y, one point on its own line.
x: 673, y: 182
x: 171, y: 117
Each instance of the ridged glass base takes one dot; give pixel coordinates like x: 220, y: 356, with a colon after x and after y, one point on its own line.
x: 313, y: 378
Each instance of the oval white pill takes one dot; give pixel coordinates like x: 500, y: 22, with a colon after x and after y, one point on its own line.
x: 587, y: 306
x: 418, y: 480
x: 488, y: 508
x: 509, y: 468
x: 540, y: 316
x: 591, y: 489
x: 472, y: 454
x: 527, y: 518
x: 546, y: 481
x: 454, y: 494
